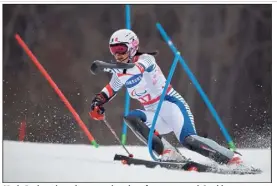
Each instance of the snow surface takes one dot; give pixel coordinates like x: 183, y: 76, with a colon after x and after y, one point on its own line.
x: 37, y: 162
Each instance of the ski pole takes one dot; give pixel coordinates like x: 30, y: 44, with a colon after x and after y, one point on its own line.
x: 116, y: 137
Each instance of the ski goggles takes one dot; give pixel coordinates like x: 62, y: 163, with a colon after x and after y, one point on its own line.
x: 118, y: 49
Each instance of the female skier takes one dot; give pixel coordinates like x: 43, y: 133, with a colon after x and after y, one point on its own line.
x: 145, y: 82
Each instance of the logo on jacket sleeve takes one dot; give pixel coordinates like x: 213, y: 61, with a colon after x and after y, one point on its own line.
x: 133, y: 81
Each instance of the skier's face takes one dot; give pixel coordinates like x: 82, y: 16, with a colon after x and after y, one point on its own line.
x: 122, y: 58
x: 120, y: 52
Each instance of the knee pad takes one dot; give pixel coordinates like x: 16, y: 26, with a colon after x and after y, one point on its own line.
x: 139, y: 114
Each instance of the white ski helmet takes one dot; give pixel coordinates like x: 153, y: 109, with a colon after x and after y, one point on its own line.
x: 124, y: 37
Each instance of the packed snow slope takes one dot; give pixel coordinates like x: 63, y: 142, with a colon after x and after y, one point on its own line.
x: 37, y: 162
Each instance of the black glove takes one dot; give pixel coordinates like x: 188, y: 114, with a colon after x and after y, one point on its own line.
x: 99, y: 99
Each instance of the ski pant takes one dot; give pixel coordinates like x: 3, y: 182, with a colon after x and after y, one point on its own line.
x: 175, y: 115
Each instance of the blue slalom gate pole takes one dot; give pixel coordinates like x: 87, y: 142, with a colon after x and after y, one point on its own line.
x: 168, y: 80
x: 127, y: 97
x: 198, y: 87
x: 128, y: 16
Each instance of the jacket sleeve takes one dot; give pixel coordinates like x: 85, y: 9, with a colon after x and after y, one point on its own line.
x: 112, y: 87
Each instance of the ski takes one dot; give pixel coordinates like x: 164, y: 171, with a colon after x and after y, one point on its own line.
x: 185, y: 166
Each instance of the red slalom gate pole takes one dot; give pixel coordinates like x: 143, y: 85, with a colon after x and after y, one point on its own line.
x: 56, y: 88
x: 22, y: 130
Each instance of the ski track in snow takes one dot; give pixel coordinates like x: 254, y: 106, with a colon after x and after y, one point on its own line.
x: 41, y: 162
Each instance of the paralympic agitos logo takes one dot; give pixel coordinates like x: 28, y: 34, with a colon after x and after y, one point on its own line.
x: 140, y: 93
